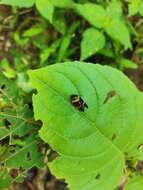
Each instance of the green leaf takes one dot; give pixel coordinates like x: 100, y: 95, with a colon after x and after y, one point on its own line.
x: 93, y: 13
x: 91, y: 144
x: 7, y: 70
x: 32, y: 31
x: 3, y: 132
x: 141, y: 9
x: 134, y: 7
x: 126, y: 63
x: 93, y: 41
x: 45, y: 54
x: 110, y: 19
x: 19, y: 3
x: 22, y: 82
x: 5, y: 179
x: 114, y: 9
x: 63, y: 47
x: 59, y: 22
x: 118, y: 30
x: 46, y: 8
x: 62, y: 3
x: 135, y: 183
x: 21, y: 122
x: 25, y: 157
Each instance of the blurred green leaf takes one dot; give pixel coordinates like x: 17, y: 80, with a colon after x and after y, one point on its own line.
x: 22, y: 82
x: 48, y: 51
x: 32, y: 31
x: 6, y: 69
x: 19, y: 40
x: 62, y: 3
x: 117, y: 30
x: 111, y: 21
x: 46, y: 8
x: 3, y: 132
x: 134, y: 183
x: 5, y: 179
x: 93, y: 13
x: 141, y: 9
x: 93, y: 41
x: 126, y: 63
x: 134, y: 7
x: 59, y: 22
x: 114, y: 9
x: 19, y: 3
x: 63, y: 47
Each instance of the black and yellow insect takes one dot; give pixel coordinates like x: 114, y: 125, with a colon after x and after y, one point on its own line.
x: 78, y: 102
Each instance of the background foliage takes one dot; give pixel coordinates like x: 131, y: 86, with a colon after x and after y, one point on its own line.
x: 37, y: 33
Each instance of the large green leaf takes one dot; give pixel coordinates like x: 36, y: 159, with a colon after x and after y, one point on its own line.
x: 135, y: 183
x: 93, y: 41
x: 92, y: 144
x: 19, y: 3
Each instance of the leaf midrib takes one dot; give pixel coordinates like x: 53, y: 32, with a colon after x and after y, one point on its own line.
x: 81, y: 114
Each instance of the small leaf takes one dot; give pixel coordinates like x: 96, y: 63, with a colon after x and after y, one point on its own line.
x: 126, y: 63
x: 22, y: 82
x: 46, y: 8
x: 63, y: 47
x: 18, y: 3
x: 32, y: 31
x: 93, y: 41
x: 45, y: 54
x: 7, y: 70
x: 59, y: 22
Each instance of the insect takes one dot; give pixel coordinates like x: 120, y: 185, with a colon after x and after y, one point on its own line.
x: 78, y: 102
